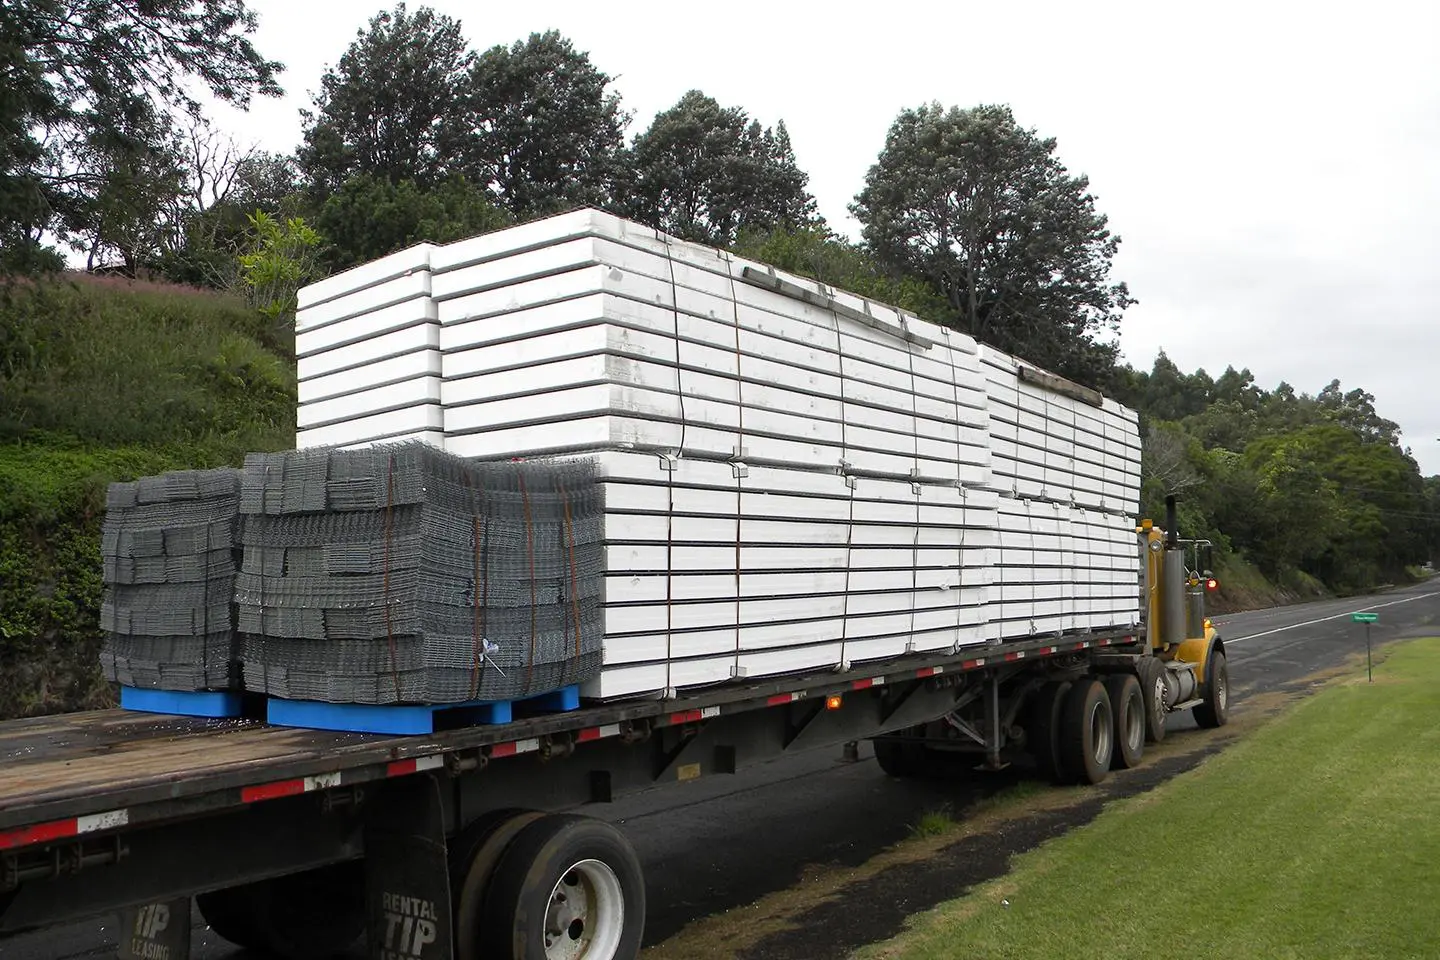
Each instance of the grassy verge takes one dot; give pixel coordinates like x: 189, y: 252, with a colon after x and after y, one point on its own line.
x: 1315, y: 837
x: 103, y: 381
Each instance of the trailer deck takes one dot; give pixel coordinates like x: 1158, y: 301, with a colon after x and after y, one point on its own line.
x: 101, y: 770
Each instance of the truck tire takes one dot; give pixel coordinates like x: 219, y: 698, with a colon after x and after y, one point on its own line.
x: 1215, y: 711
x: 901, y: 758
x: 480, y: 846
x: 1043, y: 728
x: 1128, y: 705
x: 567, y: 886
x: 317, y: 914
x: 1087, y: 732
x: 1152, y: 688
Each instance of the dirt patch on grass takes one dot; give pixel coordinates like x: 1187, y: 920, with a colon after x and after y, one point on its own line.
x: 833, y: 911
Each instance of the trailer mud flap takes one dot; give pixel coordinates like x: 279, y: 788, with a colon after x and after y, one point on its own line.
x: 407, y: 879
x: 156, y: 931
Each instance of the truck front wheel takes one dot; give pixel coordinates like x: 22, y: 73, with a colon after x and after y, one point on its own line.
x: 567, y: 888
x: 314, y: 915
x: 1215, y: 710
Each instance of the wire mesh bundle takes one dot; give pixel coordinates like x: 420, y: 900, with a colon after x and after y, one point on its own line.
x: 400, y: 573
x: 169, y: 546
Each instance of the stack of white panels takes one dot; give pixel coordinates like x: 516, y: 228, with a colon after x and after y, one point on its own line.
x: 1050, y: 446
x: 612, y: 337
x: 368, y: 348
x: 716, y: 572
x: 795, y: 478
x: 1063, y: 568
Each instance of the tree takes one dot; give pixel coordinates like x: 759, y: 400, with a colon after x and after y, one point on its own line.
x: 227, y: 186
x: 982, y: 208
x: 706, y: 172
x: 369, y: 217
x: 1166, y: 459
x: 822, y: 255
x: 283, y: 256
x: 545, y: 130
x: 393, y: 107
x: 1356, y: 410
x: 87, y: 86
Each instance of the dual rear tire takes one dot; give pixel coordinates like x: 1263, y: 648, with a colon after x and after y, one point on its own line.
x: 1079, y: 730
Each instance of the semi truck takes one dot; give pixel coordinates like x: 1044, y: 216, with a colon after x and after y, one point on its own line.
x: 476, y: 842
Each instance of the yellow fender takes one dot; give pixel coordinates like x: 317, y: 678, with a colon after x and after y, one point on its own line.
x: 1197, y: 650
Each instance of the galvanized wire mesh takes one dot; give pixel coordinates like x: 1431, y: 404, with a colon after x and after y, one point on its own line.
x: 169, y: 546
x: 400, y: 573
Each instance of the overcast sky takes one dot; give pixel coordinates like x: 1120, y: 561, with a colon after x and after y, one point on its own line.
x: 1272, y: 169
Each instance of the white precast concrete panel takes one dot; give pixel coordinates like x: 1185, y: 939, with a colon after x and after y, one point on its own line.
x: 380, y: 426
x: 370, y: 299
x: 412, y: 312
x: 408, y: 339
x: 370, y: 376
x: 404, y: 395
x: 399, y: 264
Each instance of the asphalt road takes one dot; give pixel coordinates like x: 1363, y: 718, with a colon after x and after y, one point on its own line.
x: 722, y: 842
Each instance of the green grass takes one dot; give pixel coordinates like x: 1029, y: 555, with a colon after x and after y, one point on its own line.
x: 1315, y: 837
x: 933, y: 823
x: 102, y: 381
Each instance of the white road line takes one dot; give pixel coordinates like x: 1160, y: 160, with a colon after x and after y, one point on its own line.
x: 1337, y: 616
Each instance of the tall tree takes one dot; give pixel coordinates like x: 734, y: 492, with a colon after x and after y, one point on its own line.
x: 546, y: 130
x: 982, y: 207
x: 707, y: 172
x: 393, y: 106
x: 369, y: 217
x: 80, y: 76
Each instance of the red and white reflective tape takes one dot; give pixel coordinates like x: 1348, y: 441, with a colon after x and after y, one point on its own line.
x: 289, y: 788
x: 972, y: 664
x: 62, y: 829
x: 599, y: 733
x: 403, y: 768
x: 1012, y: 657
x: 783, y: 698
x: 694, y: 716
x: 1046, y: 651
x: 867, y: 684
x: 924, y: 672
x: 515, y: 747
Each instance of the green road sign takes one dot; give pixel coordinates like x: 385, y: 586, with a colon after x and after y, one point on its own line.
x: 1365, y: 617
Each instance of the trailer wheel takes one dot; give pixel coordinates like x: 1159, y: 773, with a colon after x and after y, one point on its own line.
x: 478, y: 849
x: 1043, y: 728
x: 568, y: 888
x: 1087, y: 732
x: 314, y: 915
x: 1215, y: 711
x: 1128, y: 704
x: 1152, y: 688
x: 900, y: 758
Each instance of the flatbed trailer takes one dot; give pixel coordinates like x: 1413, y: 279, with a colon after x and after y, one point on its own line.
x: 118, y: 811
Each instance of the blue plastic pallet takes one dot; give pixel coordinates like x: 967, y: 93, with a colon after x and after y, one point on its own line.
x: 183, y: 703
x: 402, y: 719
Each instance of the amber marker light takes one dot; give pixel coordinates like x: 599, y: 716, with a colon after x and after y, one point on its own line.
x: 832, y: 702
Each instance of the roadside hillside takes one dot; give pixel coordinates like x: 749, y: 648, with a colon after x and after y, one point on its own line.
x: 106, y: 380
